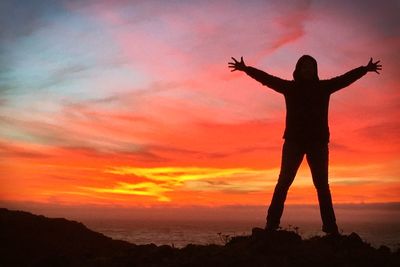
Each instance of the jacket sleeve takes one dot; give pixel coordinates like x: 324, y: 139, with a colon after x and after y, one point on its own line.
x: 340, y: 82
x: 269, y: 80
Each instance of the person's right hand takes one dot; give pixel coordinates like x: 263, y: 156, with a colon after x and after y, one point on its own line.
x: 236, y: 65
x: 374, y: 66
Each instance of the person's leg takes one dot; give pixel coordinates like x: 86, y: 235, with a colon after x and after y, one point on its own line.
x: 292, y: 155
x: 318, y: 158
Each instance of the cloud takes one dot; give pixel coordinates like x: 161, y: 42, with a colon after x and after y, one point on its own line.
x: 141, y: 189
x: 368, y: 13
x: 178, y: 175
x: 290, y: 23
x: 239, y: 150
x: 116, y: 83
x: 19, y: 18
x: 170, y: 179
x: 18, y: 151
x: 382, y: 131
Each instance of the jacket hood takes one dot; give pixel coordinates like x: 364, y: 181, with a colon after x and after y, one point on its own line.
x: 299, y: 65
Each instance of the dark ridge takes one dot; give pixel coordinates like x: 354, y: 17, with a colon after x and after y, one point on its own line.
x: 31, y: 240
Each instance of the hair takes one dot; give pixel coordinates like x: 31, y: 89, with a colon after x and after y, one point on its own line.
x: 299, y: 65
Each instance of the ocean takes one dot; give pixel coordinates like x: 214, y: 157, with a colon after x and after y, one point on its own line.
x: 377, y: 224
x: 179, y: 233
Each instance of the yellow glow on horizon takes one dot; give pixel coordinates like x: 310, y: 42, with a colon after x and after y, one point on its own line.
x: 182, y: 174
x: 172, y: 180
x: 141, y: 189
x: 167, y: 179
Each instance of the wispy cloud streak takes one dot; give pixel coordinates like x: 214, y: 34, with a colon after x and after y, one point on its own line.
x: 113, y: 93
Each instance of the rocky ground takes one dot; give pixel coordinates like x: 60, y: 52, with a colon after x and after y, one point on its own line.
x: 31, y: 240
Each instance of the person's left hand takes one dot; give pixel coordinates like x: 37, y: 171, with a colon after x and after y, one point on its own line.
x: 237, y: 65
x: 374, y: 66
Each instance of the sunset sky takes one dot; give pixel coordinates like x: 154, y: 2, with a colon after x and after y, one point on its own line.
x: 132, y: 104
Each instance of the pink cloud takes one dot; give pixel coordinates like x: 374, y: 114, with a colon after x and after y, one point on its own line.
x: 166, y: 96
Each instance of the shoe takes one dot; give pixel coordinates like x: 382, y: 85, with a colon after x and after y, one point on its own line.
x: 271, y: 227
x: 331, y: 230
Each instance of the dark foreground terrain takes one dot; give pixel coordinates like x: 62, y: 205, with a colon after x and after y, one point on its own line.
x: 31, y: 240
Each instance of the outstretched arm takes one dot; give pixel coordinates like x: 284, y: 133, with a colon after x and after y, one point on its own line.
x: 266, y: 79
x: 348, y: 78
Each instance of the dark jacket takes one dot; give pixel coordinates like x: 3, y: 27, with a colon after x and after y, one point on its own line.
x: 307, y: 102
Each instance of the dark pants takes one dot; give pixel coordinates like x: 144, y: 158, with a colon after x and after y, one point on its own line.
x: 317, y: 155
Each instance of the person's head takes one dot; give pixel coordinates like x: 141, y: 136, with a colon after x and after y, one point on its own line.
x: 306, y: 69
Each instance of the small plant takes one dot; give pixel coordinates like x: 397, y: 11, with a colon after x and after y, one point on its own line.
x: 224, y: 238
x: 296, y: 229
x: 291, y: 228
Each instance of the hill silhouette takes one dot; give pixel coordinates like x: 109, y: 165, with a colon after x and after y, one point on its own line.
x: 32, y: 240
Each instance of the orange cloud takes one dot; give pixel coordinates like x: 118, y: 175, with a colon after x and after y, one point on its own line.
x: 170, y: 179
x: 123, y: 118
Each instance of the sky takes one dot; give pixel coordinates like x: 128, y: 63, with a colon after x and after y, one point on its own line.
x: 131, y: 103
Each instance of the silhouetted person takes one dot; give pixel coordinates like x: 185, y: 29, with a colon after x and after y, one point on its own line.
x: 307, y: 131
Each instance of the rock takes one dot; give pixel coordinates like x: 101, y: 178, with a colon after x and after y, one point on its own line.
x: 31, y: 240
